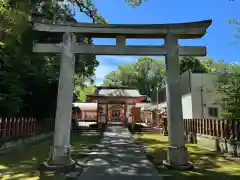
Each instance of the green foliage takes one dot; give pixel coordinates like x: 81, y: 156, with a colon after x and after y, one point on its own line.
x: 82, y: 93
x: 193, y: 64
x: 88, y: 8
x: 29, y: 81
x: 228, y: 85
x: 236, y: 29
x: 134, y: 3
x: 13, y: 21
x: 145, y: 75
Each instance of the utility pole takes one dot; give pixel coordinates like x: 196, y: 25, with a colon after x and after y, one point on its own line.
x: 157, y: 96
x: 201, y: 96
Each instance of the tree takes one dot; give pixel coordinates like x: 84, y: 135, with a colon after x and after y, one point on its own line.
x: 191, y: 63
x: 82, y: 93
x: 145, y: 75
x: 228, y: 85
x: 236, y: 27
x: 29, y: 81
x: 135, y: 3
x: 214, y: 66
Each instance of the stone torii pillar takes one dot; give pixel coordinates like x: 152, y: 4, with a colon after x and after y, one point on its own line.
x: 60, y: 152
x: 177, y: 152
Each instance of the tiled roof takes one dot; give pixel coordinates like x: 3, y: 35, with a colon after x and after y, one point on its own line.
x: 118, y: 92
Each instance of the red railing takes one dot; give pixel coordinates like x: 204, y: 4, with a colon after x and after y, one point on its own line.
x: 213, y: 127
x: 20, y: 127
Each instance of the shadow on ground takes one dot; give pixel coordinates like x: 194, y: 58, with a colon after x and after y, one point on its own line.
x: 23, y: 163
x: 208, y: 164
x: 119, y: 157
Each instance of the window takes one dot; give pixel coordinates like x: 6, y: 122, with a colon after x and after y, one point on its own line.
x: 213, y: 112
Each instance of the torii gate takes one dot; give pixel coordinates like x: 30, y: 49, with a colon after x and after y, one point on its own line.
x: 177, y: 152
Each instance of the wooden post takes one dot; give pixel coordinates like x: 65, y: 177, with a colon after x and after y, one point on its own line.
x: 4, y: 127
x: 60, y: 152
x: 125, y: 114
x: 133, y: 114
x: 107, y: 109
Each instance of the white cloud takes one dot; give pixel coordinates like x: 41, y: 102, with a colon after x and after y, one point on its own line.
x: 117, y: 59
x: 235, y: 62
x: 103, y: 70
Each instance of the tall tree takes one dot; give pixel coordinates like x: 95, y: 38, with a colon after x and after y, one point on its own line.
x: 235, y: 24
x: 193, y: 64
x: 228, y: 85
x: 214, y: 66
x: 146, y: 74
x: 28, y: 81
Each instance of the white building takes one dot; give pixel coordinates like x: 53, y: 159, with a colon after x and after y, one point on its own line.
x: 199, y: 96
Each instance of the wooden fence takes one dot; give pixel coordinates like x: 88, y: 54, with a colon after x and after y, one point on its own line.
x: 20, y: 127
x: 214, y: 127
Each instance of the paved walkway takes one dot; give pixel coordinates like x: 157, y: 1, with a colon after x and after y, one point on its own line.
x: 117, y: 156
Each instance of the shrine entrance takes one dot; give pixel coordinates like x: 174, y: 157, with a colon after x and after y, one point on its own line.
x: 116, y: 113
x: 116, y: 108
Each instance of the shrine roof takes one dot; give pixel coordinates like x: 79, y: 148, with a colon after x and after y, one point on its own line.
x: 117, y: 91
x: 115, y: 99
x: 96, y: 97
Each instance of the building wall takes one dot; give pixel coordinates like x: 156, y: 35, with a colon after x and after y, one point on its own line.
x: 204, y: 94
x: 199, y: 95
x: 186, y: 106
x: 87, y: 113
x: 184, y: 88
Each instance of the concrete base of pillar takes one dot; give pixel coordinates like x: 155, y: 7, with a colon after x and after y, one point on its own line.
x: 60, y: 156
x: 177, y: 158
x: 47, y: 166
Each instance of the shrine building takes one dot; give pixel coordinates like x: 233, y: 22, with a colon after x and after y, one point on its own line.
x: 113, y: 105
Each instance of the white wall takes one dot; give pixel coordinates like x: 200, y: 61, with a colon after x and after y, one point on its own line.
x: 208, y: 97
x: 186, y: 106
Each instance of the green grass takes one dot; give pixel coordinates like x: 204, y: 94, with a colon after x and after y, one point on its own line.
x: 211, y: 165
x: 22, y: 164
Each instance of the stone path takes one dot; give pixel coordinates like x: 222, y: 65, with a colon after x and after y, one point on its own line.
x: 119, y: 158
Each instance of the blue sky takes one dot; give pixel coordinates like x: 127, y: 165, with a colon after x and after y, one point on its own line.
x: 218, y: 38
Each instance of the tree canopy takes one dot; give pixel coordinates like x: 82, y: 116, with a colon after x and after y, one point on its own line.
x: 29, y: 81
x: 193, y: 64
x: 147, y: 74
x: 228, y: 85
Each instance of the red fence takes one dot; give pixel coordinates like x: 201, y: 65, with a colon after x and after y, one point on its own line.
x: 213, y: 127
x: 20, y: 127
